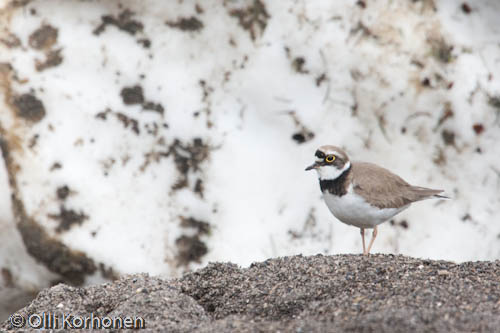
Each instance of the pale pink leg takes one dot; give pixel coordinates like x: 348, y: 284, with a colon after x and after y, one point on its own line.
x: 362, y: 231
x: 374, y: 235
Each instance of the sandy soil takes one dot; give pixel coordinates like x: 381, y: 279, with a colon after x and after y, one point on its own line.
x: 380, y: 293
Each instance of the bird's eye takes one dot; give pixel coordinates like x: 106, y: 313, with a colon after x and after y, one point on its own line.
x: 330, y: 158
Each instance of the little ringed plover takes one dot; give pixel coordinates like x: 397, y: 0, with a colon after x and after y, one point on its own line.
x: 363, y: 194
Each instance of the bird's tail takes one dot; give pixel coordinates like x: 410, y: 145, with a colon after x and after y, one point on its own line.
x: 423, y: 193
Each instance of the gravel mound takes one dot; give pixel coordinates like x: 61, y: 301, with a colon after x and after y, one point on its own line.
x: 380, y: 293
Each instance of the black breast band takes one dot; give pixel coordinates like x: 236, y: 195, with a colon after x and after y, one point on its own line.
x: 336, y: 186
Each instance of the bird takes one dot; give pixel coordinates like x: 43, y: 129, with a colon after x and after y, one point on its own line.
x: 363, y: 194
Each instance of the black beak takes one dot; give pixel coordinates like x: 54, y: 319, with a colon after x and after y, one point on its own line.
x: 313, y: 166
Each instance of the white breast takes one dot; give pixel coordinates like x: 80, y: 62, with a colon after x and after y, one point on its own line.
x: 352, y: 209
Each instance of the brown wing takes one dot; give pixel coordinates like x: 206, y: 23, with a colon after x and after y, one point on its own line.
x: 384, y: 189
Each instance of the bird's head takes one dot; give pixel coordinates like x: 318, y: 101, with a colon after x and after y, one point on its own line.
x: 331, y: 162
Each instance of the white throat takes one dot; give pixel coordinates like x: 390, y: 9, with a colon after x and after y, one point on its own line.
x: 330, y: 173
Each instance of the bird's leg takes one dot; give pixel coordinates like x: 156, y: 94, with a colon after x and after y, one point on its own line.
x: 374, y: 234
x: 362, y: 232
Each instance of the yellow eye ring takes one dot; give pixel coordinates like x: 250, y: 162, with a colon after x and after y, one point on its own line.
x: 330, y: 158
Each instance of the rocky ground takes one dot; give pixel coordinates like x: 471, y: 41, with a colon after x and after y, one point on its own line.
x: 380, y: 293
